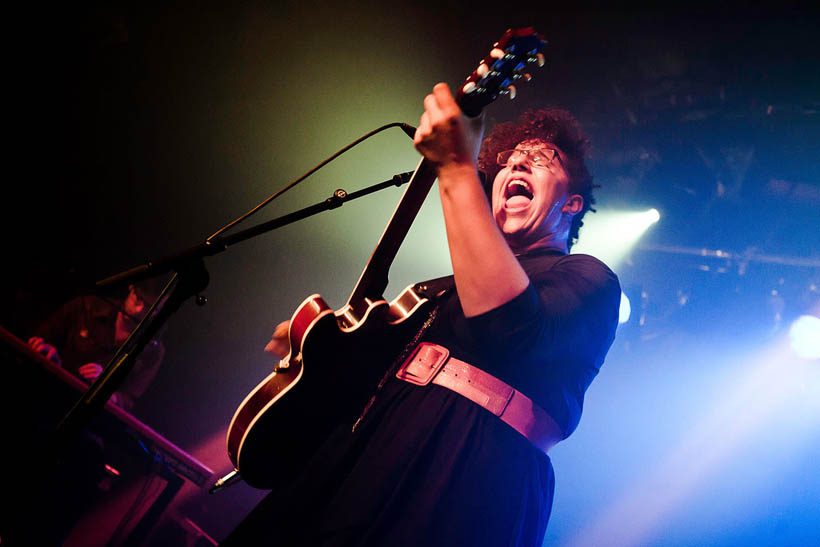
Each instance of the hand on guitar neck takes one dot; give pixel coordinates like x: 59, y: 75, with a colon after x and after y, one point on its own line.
x: 435, y: 138
x: 445, y: 135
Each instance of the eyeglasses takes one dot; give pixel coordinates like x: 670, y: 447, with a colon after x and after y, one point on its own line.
x: 540, y: 157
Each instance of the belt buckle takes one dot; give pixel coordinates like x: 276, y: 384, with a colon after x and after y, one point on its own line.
x: 423, y: 364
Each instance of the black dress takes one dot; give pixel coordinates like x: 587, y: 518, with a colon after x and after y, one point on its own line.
x: 426, y: 466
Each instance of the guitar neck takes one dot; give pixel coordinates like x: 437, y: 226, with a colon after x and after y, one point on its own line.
x: 373, y: 281
x: 494, y: 76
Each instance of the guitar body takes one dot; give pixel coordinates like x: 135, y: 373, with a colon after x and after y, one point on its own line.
x: 337, y: 360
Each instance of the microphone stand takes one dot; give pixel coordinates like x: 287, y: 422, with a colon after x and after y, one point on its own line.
x: 190, y: 278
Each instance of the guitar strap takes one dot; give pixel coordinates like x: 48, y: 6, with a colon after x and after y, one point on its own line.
x: 434, y: 289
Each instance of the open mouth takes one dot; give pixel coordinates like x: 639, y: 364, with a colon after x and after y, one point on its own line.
x: 517, y: 194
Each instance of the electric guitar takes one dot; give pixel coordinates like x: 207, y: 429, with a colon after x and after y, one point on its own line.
x: 337, y: 358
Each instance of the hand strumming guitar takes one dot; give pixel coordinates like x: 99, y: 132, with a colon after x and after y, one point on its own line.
x: 279, y: 345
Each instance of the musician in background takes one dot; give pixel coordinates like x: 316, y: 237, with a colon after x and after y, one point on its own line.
x: 463, y: 460
x: 84, y: 334
x: 81, y: 337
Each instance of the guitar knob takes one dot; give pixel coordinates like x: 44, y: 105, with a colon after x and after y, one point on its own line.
x: 497, y: 53
x: 511, y: 91
x: 482, y: 70
x: 469, y: 87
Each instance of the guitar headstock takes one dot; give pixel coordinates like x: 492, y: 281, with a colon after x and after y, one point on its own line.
x: 506, y: 63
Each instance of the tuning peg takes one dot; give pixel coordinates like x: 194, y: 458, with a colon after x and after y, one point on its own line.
x: 482, y: 70
x: 497, y: 53
x: 469, y: 87
x: 539, y: 59
x: 511, y: 91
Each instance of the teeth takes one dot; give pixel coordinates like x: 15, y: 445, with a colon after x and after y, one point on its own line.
x: 521, y: 183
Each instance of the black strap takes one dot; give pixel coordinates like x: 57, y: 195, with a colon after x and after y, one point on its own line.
x: 434, y: 289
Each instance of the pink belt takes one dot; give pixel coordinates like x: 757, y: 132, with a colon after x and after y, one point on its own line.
x: 432, y: 363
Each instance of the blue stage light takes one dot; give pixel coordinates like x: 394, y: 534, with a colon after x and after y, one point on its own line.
x: 805, y: 336
x: 625, y: 309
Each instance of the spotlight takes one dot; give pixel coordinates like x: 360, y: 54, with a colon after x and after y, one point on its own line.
x: 611, y: 235
x: 805, y: 336
x: 625, y: 309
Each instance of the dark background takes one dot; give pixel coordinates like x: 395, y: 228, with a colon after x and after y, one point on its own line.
x: 137, y: 130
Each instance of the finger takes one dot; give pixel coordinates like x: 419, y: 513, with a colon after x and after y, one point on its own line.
x: 433, y: 109
x: 444, y: 98
x: 281, y: 330
x: 423, y: 130
x: 277, y: 349
x: 90, y: 371
x: 276, y: 343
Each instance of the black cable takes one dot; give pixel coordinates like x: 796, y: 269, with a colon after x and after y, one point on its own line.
x: 407, y: 128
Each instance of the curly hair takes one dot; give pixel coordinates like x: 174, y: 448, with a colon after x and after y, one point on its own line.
x: 553, y: 125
